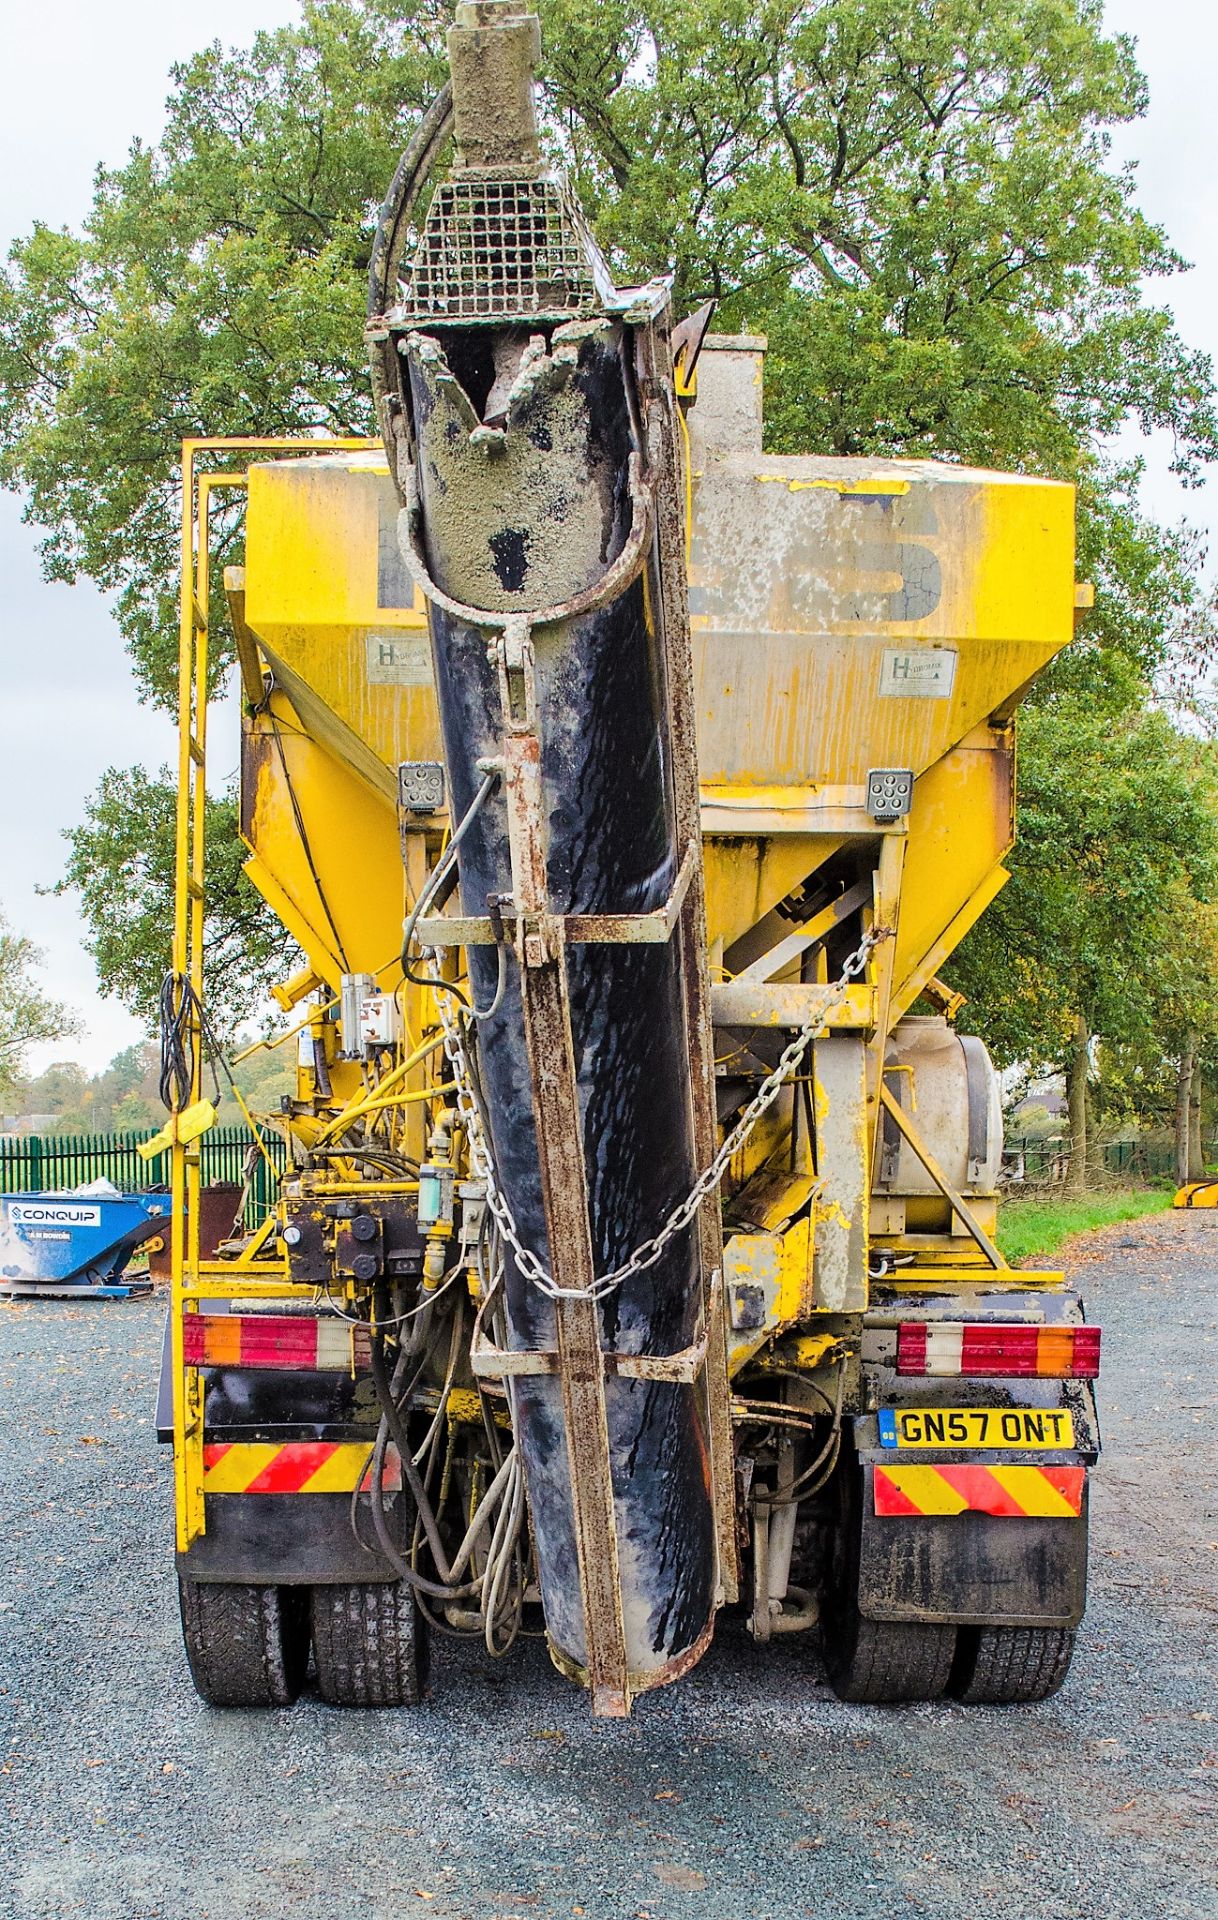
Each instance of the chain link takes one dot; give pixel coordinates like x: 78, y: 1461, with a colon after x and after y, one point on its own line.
x: 650, y: 1250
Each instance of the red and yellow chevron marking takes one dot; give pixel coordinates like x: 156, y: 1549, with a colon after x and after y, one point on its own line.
x: 1011, y: 1492
x: 298, y: 1466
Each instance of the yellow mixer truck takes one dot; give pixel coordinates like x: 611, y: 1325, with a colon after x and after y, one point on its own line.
x: 626, y: 790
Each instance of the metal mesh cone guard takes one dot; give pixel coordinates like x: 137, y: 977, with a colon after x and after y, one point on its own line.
x: 503, y: 250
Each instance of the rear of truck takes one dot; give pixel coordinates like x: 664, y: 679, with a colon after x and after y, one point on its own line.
x: 636, y: 1256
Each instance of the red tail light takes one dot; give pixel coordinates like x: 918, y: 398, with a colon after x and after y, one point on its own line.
x: 1011, y: 1352
x: 274, y: 1340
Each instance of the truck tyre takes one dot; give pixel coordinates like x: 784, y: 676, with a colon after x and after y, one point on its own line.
x: 247, y: 1646
x: 1004, y: 1665
x: 369, y: 1645
x: 875, y: 1661
x: 886, y: 1661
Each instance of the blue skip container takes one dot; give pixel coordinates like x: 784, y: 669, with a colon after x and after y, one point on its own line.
x: 60, y: 1245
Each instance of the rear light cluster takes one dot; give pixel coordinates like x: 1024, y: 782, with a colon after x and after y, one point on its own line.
x: 1027, y: 1352
x: 274, y: 1340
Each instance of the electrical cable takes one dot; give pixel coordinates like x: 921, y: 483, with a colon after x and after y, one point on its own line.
x: 416, y: 163
x: 298, y: 817
x: 446, y: 865
x: 813, y: 1477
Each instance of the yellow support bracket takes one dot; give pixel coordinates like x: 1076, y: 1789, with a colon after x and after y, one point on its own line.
x: 179, y: 1130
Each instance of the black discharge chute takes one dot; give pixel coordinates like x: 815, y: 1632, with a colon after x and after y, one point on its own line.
x: 507, y: 377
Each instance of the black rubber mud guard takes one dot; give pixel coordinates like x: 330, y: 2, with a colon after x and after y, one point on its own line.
x: 972, y: 1568
x: 611, y: 849
x: 289, y: 1539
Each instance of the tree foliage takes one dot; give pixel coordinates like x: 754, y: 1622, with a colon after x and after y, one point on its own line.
x: 916, y: 202
x: 913, y: 200
x: 125, y: 1095
x: 27, y: 1014
x: 121, y: 862
x: 1109, y: 924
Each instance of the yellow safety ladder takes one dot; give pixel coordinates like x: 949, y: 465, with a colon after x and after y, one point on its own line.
x: 194, y: 1279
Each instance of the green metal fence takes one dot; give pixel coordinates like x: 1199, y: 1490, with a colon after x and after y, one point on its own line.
x: 1048, y: 1161
x: 53, y: 1162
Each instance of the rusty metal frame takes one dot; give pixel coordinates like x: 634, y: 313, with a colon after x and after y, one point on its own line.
x: 755, y: 1003
x: 493, y: 1363
x: 540, y: 939
x: 541, y: 952
x: 954, y: 1198
x: 669, y: 607
x: 189, y: 1283
x: 579, y: 929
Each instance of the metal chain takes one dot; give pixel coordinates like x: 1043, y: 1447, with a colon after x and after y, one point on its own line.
x: 648, y: 1251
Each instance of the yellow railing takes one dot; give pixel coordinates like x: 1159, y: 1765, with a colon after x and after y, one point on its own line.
x: 193, y: 1279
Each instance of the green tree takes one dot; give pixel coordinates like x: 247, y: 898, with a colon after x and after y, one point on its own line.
x: 27, y: 1014
x: 1107, y: 927
x: 914, y: 201
x: 56, y: 1090
x: 121, y: 861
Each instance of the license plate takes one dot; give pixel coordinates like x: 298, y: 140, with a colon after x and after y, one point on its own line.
x: 1020, y: 1427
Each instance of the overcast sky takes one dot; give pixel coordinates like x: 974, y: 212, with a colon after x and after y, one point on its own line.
x: 83, y: 81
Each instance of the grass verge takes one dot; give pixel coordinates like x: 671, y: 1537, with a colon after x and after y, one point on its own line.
x: 1041, y: 1226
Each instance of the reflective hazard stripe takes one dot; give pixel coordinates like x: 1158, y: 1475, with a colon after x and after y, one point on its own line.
x: 297, y: 1466
x: 1008, y: 1492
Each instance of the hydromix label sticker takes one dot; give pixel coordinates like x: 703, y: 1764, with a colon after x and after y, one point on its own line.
x: 917, y: 673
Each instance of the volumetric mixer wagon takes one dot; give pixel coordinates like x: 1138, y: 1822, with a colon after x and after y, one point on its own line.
x: 635, y: 1257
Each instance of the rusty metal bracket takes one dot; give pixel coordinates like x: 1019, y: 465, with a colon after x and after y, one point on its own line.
x: 578, y: 929
x: 541, y: 952
x: 955, y: 1199
x: 752, y: 1003
x: 493, y: 1363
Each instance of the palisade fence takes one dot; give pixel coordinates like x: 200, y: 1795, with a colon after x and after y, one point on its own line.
x: 54, y: 1162
x: 1047, y: 1162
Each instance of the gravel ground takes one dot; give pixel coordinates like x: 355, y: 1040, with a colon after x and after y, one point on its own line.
x: 746, y: 1791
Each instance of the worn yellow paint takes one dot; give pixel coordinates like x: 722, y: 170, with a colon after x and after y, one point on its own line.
x: 354, y: 924
x: 807, y: 576
x: 884, y: 487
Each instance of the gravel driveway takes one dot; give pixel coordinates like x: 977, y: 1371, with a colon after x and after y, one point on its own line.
x: 746, y: 1791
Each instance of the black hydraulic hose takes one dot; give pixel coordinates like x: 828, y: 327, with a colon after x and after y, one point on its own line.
x: 392, y: 1425
x: 416, y: 163
x: 401, y: 1440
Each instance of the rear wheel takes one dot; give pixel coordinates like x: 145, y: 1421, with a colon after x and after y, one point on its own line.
x: 875, y: 1661
x: 369, y: 1645
x: 247, y: 1646
x: 1005, y: 1665
x: 888, y: 1660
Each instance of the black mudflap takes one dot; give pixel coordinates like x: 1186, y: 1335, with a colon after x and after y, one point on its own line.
x: 290, y: 1539
x: 972, y: 1568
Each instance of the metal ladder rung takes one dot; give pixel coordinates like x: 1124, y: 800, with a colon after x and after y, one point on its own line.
x: 194, y: 888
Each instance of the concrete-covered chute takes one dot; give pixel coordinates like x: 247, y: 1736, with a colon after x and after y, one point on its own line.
x: 517, y: 386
